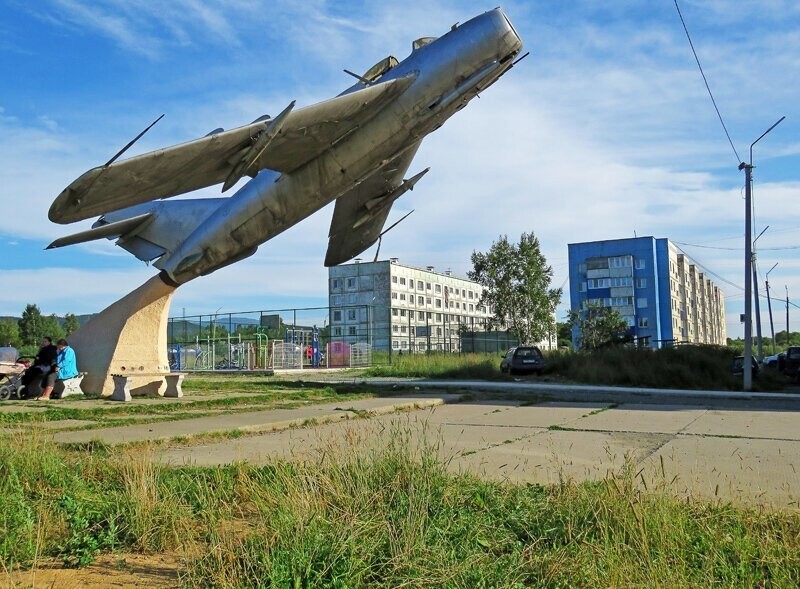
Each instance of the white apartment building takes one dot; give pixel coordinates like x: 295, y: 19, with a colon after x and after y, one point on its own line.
x: 404, y: 308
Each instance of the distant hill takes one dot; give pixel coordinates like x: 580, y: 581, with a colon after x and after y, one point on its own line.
x: 81, y: 318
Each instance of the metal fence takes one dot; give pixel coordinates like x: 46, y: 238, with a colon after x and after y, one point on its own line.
x: 322, y: 337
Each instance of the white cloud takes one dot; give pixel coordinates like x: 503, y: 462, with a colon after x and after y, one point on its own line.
x: 605, y: 130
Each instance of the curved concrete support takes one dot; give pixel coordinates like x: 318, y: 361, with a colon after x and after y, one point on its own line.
x: 128, y: 338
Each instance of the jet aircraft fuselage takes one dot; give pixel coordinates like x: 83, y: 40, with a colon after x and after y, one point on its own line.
x: 359, y: 166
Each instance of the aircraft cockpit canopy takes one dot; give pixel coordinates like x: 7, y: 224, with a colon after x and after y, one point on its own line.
x: 421, y: 42
x: 380, y: 68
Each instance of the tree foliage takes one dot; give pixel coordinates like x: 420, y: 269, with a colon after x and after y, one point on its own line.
x: 34, y: 326
x: 516, y: 280
x: 31, y: 325
x: 71, y: 324
x: 9, y: 332
x: 598, y: 326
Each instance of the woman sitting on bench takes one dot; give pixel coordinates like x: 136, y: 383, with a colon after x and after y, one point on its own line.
x: 66, y: 368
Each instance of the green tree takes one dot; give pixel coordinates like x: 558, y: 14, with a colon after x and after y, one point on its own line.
x: 52, y: 328
x: 31, y: 325
x: 516, y: 280
x: 71, y: 324
x: 598, y: 326
x: 9, y: 332
x: 564, y: 334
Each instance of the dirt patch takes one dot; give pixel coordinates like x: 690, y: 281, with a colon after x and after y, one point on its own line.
x: 113, y: 570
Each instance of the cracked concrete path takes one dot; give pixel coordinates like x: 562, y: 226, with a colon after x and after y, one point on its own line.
x: 254, y: 421
x: 748, y: 456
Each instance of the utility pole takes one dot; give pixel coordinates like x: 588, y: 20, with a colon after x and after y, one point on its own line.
x: 747, y: 369
x: 747, y: 366
x: 758, y: 303
x: 769, y: 306
x: 787, y: 315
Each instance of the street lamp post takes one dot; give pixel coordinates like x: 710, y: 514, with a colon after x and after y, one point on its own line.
x: 769, y: 306
x: 747, y: 369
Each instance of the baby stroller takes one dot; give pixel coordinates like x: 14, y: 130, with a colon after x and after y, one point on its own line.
x: 12, y: 367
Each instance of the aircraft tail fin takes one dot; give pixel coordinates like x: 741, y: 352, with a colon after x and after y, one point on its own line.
x: 149, y: 230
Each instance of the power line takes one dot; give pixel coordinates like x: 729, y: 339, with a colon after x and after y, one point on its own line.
x: 738, y: 249
x: 714, y: 102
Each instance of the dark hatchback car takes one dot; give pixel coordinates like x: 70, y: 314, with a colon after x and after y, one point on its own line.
x: 523, y: 359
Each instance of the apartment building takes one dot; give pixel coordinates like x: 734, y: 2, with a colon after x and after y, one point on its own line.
x: 663, y: 294
x: 404, y: 308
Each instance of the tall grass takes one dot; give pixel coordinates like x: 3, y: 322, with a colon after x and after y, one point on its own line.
x: 680, y: 367
x: 439, y: 365
x: 381, y: 510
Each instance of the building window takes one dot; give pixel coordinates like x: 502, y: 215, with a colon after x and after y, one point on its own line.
x: 420, y: 285
x: 395, y: 343
x: 439, y: 303
x: 395, y: 312
x: 351, y: 314
x: 421, y: 300
x: 582, y: 286
x: 395, y: 328
x: 351, y: 299
x: 427, y: 286
x: 438, y: 288
x: 471, y: 307
x: 427, y: 300
x: 337, y: 331
x: 582, y: 268
x: 394, y: 279
x: 337, y: 315
x: 394, y: 295
x: 336, y: 283
x: 337, y: 299
x: 438, y: 316
x: 403, y: 329
x: 641, y: 283
x: 641, y: 302
x: 351, y: 283
x: 640, y: 263
x: 402, y: 281
x: 402, y: 297
x: 421, y: 315
x: 402, y: 312
x: 643, y: 322
x: 351, y: 330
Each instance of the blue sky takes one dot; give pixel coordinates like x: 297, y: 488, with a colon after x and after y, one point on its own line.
x: 605, y: 130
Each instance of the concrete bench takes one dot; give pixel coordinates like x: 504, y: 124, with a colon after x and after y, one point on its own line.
x: 123, y: 382
x: 68, y: 387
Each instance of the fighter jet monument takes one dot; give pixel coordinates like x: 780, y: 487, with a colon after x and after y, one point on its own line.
x: 355, y: 149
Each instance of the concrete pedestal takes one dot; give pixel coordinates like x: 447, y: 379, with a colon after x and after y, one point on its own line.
x: 127, y: 338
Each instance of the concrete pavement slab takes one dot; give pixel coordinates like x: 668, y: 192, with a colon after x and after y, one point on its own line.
x: 782, y: 425
x: 749, y: 471
x: 555, y: 456
x: 540, y: 415
x: 641, y: 417
x: 257, y: 421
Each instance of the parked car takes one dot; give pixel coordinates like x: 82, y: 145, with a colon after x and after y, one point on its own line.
x: 776, y: 361
x: 792, y: 362
x: 523, y: 359
x: 737, y: 366
x: 505, y: 363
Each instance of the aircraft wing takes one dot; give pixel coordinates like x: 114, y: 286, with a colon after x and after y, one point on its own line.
x: 304, y: 134
x: 359, y: 215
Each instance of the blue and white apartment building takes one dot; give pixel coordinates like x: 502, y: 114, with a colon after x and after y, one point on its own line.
x: 663, y: 294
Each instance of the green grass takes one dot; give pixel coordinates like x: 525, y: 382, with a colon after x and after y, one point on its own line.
x: 439, y: 365
x: 383, y: 515
x: 245, y: 393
